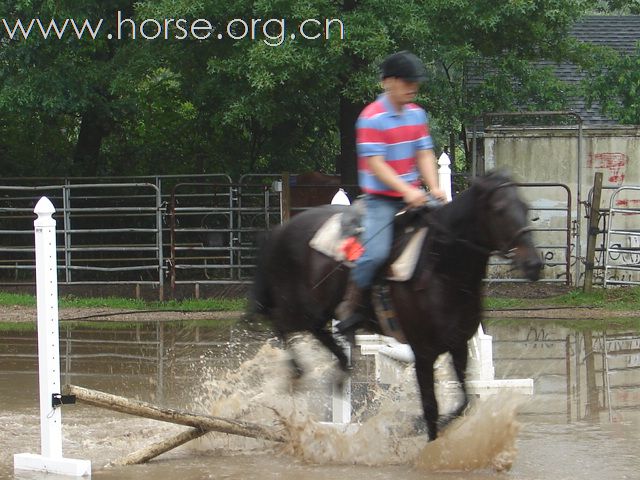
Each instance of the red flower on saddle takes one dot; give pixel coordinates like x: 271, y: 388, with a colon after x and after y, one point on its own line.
x: 352, y: 249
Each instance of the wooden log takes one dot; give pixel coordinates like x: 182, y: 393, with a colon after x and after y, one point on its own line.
x: 145, y: 454
x: 147, y: 410
x: 594, y: 221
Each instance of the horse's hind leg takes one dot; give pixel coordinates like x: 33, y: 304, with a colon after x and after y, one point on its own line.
x: 296, y: 369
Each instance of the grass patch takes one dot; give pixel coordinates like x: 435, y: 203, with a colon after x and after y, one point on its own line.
x: 20, y: 299
x: 615, y: 299
x: 210, y: 304
x: 189, y: 305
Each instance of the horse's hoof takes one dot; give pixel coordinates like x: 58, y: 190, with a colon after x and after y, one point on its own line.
x: 296, y: 370
x: 341, y: 378
x: 420, y: 425
x: 409, y: 426
x: 445, y: 420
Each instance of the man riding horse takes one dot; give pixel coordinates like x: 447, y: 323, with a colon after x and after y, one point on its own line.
x: 395, y: 151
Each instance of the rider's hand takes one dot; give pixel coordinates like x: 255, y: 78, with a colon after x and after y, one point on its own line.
x: 439, y: 194
x: 415, y: 197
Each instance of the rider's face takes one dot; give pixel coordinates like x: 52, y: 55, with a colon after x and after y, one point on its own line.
x: 400, y: 91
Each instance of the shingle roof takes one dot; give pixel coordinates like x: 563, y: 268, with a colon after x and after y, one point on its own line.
x: 621, y: 33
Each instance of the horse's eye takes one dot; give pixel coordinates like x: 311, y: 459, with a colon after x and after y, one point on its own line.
x: 500, y: 207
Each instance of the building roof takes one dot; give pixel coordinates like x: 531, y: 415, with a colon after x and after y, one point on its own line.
x: 621, y: 33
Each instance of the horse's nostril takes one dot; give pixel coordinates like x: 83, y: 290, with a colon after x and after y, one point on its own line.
x: 533, y: 268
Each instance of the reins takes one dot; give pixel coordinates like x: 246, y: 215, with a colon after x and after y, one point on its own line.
x: 506, y: 251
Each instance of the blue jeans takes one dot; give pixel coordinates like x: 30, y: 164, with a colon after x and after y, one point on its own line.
x: 376, y: 238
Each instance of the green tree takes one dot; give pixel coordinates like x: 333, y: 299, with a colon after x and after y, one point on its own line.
x: 615, y: 84
x: 618, y: 7
x: 268, y: 103
x: 60, y: 85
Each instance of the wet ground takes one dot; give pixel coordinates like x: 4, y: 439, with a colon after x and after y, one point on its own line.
x: 583, y: 420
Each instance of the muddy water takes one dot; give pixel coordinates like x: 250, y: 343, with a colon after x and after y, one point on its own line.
x: 555, y: 434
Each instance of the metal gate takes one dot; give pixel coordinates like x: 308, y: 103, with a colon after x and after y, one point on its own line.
x: 622, y: 238
x: 191, y: 230
x: 107, y: 233
x: 551, y: 226
x: 215, y: 228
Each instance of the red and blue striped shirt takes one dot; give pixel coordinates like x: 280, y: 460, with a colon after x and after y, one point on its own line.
x: 397, y: 136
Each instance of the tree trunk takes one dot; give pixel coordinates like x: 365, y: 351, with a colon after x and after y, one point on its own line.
x: 87, y: 152
x: 347, y: 165
x: 348, y: 162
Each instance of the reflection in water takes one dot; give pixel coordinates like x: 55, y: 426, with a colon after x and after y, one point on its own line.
x: 236, y: 374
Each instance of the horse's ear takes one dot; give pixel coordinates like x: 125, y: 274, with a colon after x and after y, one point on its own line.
x: 500, y: 174
x: 494, y: 178
x: 488, y: 182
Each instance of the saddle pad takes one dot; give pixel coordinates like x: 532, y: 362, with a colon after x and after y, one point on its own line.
x: 327, y: 238
x: 402, y: 269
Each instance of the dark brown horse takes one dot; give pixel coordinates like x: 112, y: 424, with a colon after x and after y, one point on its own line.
x: 438, y: 309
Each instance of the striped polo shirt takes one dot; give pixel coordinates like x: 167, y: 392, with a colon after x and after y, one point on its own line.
x: 397, y: 136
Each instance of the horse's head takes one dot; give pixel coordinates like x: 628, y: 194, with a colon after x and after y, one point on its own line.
x: 505, y: 223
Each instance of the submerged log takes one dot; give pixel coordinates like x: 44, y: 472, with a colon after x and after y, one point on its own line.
x: 147, y: 410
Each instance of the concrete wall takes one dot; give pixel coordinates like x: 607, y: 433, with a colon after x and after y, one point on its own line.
x: 559, y: 155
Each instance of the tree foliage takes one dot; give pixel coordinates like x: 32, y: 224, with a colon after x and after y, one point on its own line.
x: 615, y: 85
x: 268, y: 103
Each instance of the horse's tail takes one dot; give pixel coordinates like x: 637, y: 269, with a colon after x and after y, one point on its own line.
x: 260, y: 299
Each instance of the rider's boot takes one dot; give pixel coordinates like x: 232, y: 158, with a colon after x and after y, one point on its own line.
x: 351, y: 301
x: 351, y: 310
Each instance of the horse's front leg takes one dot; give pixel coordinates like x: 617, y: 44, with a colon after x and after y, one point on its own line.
x: 424, y: 374
x: 460, y: 357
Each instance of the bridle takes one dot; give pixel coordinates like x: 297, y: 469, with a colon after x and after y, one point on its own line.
x: 507, y: 251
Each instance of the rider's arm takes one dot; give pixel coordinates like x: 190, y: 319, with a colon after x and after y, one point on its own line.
x: 380, y: 168
x: 426, y: 161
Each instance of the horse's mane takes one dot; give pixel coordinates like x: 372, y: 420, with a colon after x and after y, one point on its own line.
x: 455, y: 215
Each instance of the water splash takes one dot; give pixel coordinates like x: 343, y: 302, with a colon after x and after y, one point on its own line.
x: 259, y: 390
x: 484, y: 438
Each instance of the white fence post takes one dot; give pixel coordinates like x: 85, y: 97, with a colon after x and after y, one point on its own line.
x: 51, y: 459
x: 341, y: 398
x: 444, y: 174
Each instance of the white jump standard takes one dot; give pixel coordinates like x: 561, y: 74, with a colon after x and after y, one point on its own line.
x: 50, y: 459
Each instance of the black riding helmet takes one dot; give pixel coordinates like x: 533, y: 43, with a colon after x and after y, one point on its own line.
x: 404, y: 65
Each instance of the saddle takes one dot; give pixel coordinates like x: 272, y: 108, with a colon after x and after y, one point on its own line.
x: 338, y: 238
